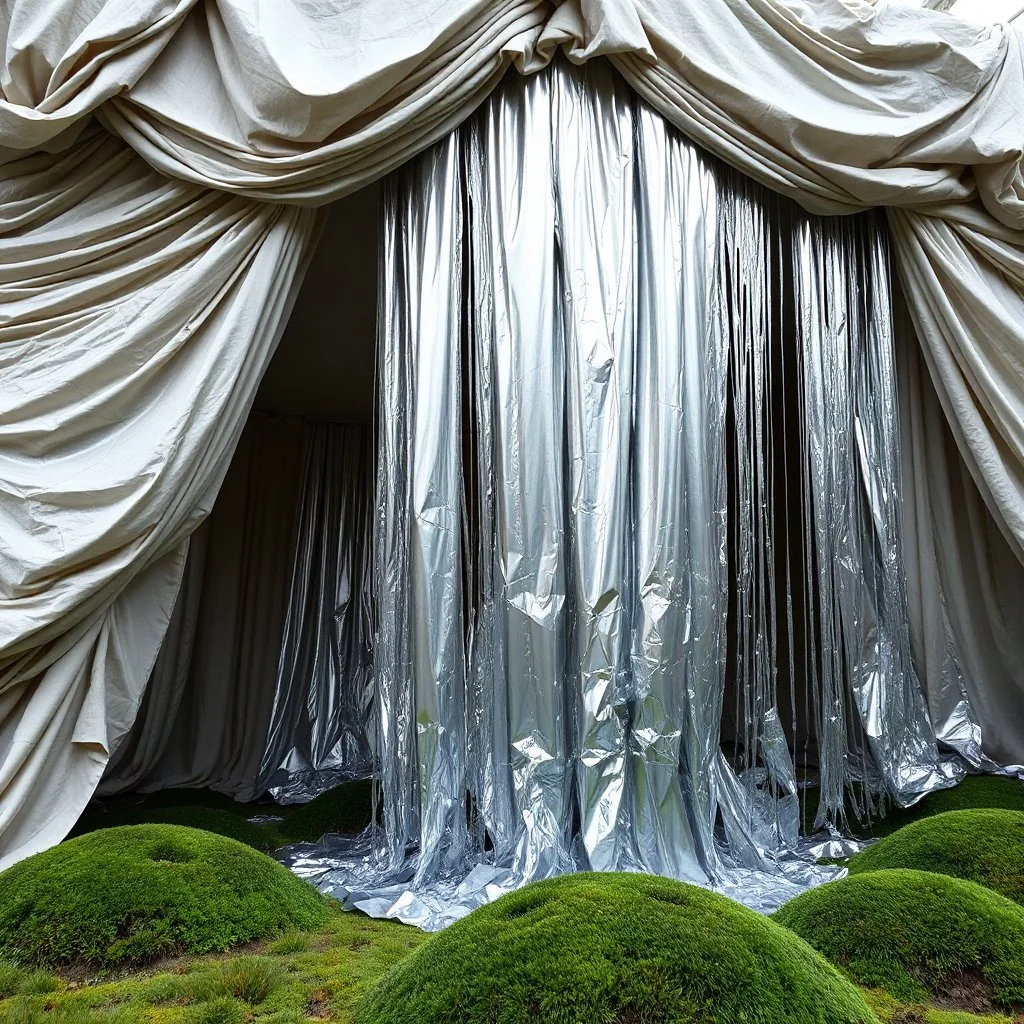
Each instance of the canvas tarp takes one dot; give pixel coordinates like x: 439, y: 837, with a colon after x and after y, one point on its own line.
x: 145, y: 278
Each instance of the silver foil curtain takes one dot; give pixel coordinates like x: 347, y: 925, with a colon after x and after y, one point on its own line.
x: 638, y: 558
x: 320, y: 732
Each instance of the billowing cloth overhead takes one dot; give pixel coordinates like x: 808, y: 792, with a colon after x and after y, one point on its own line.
x: 62, y: 60
x: 138, y: 315
x: 839, y: 103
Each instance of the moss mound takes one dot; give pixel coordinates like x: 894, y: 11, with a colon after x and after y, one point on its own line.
x: 611, y: 948
x: 126, y: 895
x: 915, y: 934
x: 346, y: 809
x: 986, y: 847
x: 210, y: 819
x: 976, y: 791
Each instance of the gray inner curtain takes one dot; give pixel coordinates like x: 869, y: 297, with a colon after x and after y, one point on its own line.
x: 240, y: 700
x: 638, y: 493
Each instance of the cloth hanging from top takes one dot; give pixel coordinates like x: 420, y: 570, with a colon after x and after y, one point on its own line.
x: 841, y: 105
x: 320, y: 731
x: 207, y: 706
x: 624, y: 303
x: 263, y: 680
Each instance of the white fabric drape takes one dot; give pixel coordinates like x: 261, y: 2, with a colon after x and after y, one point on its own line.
x: 137, y: 316
x: 138, y: 312
x: 842, y: 104
x: 965, y: 588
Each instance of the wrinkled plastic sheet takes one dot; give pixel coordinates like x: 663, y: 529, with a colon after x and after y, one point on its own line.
x: 580, y: 527
x: 321, y: 725
x: 355, y: 871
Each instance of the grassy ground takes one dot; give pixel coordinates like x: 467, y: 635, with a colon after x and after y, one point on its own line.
x: 302, y: 976
x: 319, y: 976
x: 314, y: 977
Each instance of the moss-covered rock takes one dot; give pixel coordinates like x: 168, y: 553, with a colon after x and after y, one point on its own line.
x: 127, y: 895
x: 609, y: 948
x: 983, y: 846
x: 915, y: 934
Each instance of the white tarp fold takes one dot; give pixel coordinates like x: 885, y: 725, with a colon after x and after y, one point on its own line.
x: 136, y: 317
x: 139, y: 306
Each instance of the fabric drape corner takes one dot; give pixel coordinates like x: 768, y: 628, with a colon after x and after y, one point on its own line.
x: 139, y: 314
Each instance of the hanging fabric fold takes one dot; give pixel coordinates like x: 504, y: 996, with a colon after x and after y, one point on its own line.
x: 320, y: 732
x: 139, y: 314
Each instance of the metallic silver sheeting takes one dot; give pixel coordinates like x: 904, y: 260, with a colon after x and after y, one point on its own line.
x: 520, y: 649
x: 678, y: 507
x: 844, y: 314
x: 321, y: 726
x: 596, y: 280
x: 420, y: 654
x: 590, y: 363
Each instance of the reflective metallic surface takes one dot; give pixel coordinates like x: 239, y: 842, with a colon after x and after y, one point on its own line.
x: 841, y: 277
x: 637, y: 457
x: 420, y: 654
x: 321, y: 726
x: 520, y: 649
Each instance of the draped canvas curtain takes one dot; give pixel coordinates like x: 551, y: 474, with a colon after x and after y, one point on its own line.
x: 841, y: 104
x: 138, y: 314
x: 207, y: 706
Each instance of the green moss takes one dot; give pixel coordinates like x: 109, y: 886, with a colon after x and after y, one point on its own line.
x: 127, y: 895
x: 210, y: 819
x: 983, y: 846
x: 892, y: 1011
x: 985, y: 791
x: 318, y: 975
x: 322, y: 979
x: 604, y: 948
x: 346, y: 809
x: 914, y: 932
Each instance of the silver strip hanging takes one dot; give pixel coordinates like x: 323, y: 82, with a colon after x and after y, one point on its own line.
x: 594, y: 173
x: 678, y: 507
x: 845, y: 325
x: 520, y: 644
x: 419, y: 654
x: 320, y: 726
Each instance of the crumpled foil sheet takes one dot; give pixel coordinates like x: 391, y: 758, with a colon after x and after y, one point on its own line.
x: 637, y: 553
x: 352, y: 870
x: 321, y: 726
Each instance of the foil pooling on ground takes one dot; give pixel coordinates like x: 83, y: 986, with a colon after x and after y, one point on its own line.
x: 582, y: 539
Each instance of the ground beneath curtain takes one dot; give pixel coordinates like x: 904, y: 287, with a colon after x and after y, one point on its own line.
x: 320, y: 975
x: 346, y: 810
x: 307, y: 976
